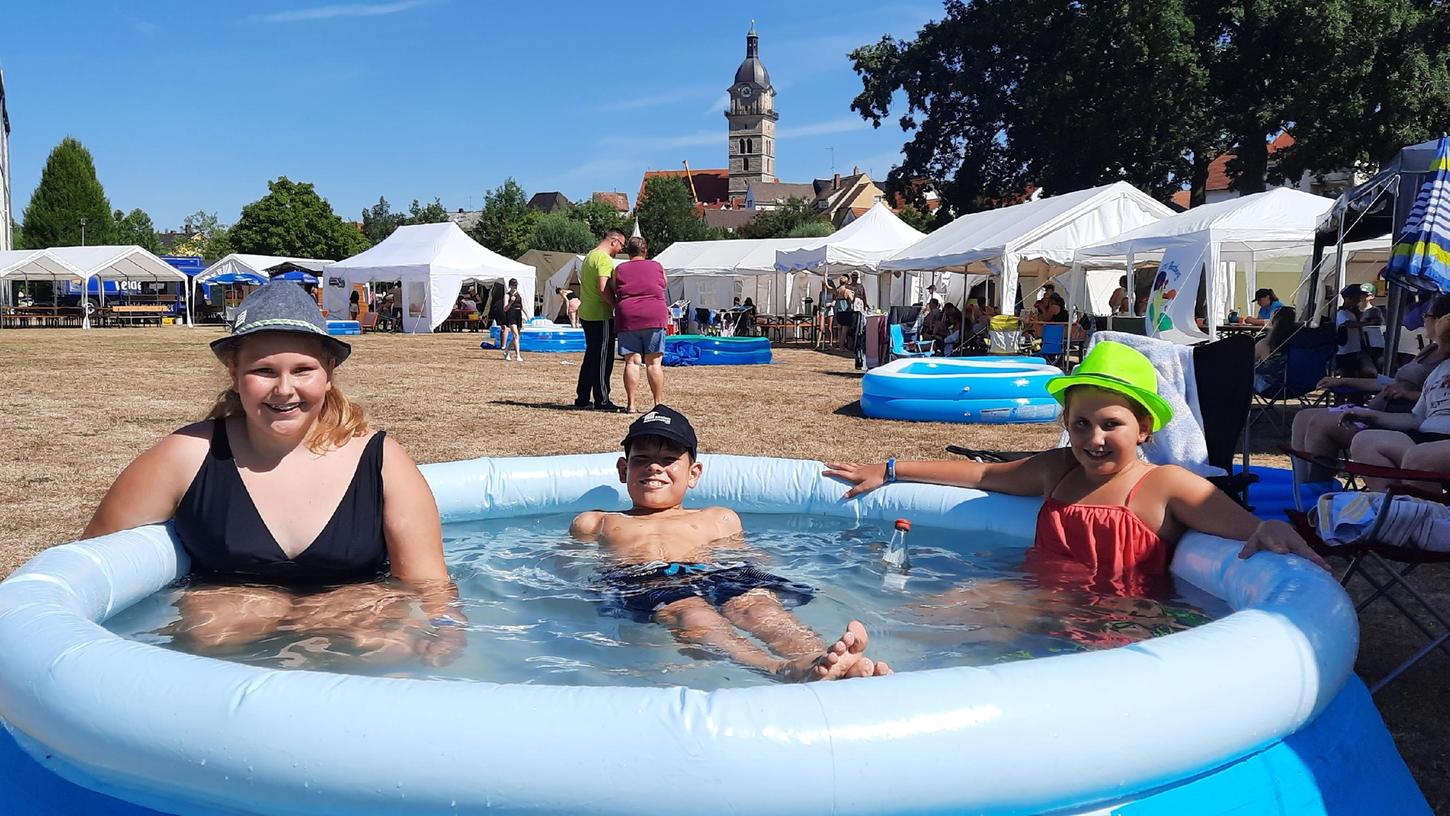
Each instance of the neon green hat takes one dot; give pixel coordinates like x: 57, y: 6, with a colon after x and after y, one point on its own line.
x: 1116, y: 367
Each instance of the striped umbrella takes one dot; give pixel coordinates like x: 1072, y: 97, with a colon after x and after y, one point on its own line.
x: 1421, y: 257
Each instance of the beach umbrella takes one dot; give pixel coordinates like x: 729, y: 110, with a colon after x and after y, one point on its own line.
x: 297, y: 276
x: 1421, y: 256
x: 248, y: 278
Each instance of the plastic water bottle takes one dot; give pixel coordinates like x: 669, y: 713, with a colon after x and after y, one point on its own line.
x: 896, y: 555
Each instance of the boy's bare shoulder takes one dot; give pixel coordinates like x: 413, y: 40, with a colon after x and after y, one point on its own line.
x: 724, y: 517
x: 587, y: 524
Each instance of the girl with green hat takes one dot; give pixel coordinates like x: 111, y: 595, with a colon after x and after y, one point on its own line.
x: 1109, y: 520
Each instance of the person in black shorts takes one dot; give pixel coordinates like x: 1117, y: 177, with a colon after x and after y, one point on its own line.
x: 513, y: 320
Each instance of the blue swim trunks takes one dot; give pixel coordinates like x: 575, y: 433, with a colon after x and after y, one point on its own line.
x: 639, y: 590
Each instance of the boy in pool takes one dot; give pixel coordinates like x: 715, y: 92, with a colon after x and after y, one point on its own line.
x: 670, y: 566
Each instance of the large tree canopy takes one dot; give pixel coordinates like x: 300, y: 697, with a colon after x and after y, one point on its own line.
x: 69, y: 206
x: 794, y: 216
x: 292, y: 219
x: 666, y: 214
x: 557, y: 232
x: 135, y: 227
x: 506, y: 225
x: 1061, y: 94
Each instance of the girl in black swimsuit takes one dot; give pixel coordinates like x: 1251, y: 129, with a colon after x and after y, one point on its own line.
x: 513, y: 320
x: 284, y: 484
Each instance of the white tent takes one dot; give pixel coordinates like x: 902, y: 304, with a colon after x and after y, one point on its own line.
x: 432, y: 262
x: 712, y: 273
x: 1239, y: 230
x: 1030, y: 239
x: 861, y: 246
x: 104, y: 263
x: 36, y: 264
x: 240, y: 263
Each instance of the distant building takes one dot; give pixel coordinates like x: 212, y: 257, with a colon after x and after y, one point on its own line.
x: 840, y: 198
x: 710, y: 188
x: 752, y: 119
x: 729, y: 220
x: 1219, y: 186
x: 619, y: 201
x: 771, y: 195
x: 466, y: 220
x: 7, y: 241
x: 549, y: 202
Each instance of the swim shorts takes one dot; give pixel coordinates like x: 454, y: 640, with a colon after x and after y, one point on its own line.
x: 638, y: 591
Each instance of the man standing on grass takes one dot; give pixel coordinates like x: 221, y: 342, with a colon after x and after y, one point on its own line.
x: 596, y: 316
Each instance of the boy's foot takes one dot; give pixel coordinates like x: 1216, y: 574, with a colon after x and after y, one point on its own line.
x: 866, y: 667
x: 838, y: 662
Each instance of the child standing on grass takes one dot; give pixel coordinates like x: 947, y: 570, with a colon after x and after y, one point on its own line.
x: 674, y: 566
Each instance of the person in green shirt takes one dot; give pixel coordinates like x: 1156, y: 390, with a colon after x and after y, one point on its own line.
x: 596, y: 317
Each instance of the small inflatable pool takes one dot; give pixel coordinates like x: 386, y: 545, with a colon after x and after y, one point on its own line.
x: 543, y: 336
x: 699, y: 349
x: 343, y: 327
x: 961, y: 389
x: 1254, y: 713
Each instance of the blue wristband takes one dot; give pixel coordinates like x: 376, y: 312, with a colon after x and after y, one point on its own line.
x: 891, y: 470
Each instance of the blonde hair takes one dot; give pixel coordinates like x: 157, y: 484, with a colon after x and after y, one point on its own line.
x: 341, y: 419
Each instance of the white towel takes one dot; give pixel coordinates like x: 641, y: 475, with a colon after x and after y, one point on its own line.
x: 1405, y: 521
x: 1181, y: 442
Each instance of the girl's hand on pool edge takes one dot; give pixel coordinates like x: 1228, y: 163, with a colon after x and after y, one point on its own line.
x: 1279, y: 537
x: 864, y: 478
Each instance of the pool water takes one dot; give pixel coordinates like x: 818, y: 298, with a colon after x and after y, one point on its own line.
x: 534, y: 602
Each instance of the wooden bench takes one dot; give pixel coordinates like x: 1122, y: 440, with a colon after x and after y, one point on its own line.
x: 136, y: 313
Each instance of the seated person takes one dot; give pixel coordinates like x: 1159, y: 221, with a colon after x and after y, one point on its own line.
x: 1419, y: 440
x: 467, y: 304
x: 1109, y: 520
x: 1046, y: 310
x: 284, y: 484
x: 1353, y: 355
x: 950, y: 329
x: 1324, y: 431
x: 928, y: 323
x: 682, y: 568
x: 1281, y: 327
x: 1268, y: 305
x: 1119, y: 302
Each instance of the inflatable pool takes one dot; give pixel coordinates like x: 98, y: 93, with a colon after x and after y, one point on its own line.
x: 699, y: 349
x: 1256, y: 712
x: 961, y: 389
x: 343, y: 327
x: 543, y: 336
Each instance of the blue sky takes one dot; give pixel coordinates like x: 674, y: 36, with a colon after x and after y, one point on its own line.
x: 192, y: 106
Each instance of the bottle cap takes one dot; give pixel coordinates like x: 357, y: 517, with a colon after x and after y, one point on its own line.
x: 903, y: 525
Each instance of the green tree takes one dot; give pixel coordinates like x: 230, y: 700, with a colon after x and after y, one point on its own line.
x: 558, y: 232
x: 379, y: 221
x: 917, y: 219
x: 206, y: 239
x: 666, y: 214
x: 432, y: 213
x: 600, y: 218
x: 507, y: 223
x: 782, y: 221
x: 68, y: 194
x: 811, y: 229
x: 136, y: 228
x: 292, y: 219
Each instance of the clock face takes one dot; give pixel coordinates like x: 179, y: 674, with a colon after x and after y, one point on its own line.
x: 745, y: 92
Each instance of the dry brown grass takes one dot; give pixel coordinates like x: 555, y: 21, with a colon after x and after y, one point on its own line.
x: 80, y: 405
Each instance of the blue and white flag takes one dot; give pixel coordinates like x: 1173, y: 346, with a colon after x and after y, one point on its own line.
x: 1421, y: 256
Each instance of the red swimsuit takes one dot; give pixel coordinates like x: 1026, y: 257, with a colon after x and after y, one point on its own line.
x: 1103, y: 548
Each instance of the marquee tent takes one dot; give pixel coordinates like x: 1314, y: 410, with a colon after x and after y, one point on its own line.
x: 36, y: 264
x: 1239, y: 230
x: 432, y: 262
x: 861, y: 246
x: 711, y: 273
x: 1033, y: 239
x: 256, y: 264
x: 546, y: 264
x: 83, y: 263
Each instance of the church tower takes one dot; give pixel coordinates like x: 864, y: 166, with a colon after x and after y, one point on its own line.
x: 752, y: 121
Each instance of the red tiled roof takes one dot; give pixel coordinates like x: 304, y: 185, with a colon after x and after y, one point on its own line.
x: 1218, y: 168
x: 1181, y: 199
x: 712, y: 187
x: 620, y: 201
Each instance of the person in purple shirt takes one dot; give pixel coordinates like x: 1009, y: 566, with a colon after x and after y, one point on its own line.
x: 641, y: 313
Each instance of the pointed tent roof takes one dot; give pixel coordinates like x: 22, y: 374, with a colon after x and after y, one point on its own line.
x: 439, y: 249
x: 239, y: 263
x: 1263, y: 221
x: 36, y: 264
x: 117, y: 263
x: 860, y: 245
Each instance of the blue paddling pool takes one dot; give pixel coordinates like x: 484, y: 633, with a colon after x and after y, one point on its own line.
x: 543, y: 336
x: 699, y: 349
x: 961, y: 389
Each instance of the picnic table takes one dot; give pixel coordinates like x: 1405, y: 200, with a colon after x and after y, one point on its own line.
x: 458, y: 320
x: 132, y: 313
x: 786, y: 328
x: 35, y: 317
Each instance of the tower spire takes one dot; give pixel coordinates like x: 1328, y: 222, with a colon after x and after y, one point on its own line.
x: 752, y: 43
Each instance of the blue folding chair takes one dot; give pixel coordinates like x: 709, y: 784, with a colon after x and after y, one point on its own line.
x: 901, y: 348
x: 1054, y: 343
x: 1292, y: 372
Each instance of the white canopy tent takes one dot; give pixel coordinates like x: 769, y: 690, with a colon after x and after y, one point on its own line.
x: 239, y: 263
x: 861, y: 246
x: 1239, y: 230
x: 711, y: 274
x: 432, y: 262
x: 36, y: 264
x: 1032, y: 239
x: 104, y: 263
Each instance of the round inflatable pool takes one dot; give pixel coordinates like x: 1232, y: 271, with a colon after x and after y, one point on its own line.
x: 961, y: 389
x: 1256, y: 712
x: 699, y: 349
x: 543, y: 336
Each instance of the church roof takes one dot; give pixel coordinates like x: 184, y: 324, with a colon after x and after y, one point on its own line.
x: 752, y: 70
x: 712, y: 186
x: 619, y: 201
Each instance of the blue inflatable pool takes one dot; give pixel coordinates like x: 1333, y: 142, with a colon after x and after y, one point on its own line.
x: 343, y: 327
x: 543, y: 336
x: 1254, y: 713
x: 961, y: 389
x: 699, y: 349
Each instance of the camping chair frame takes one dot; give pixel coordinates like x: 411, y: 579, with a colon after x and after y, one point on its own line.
x: 900, y: 347
x: 1365, y: 554
x: 1309, y: 356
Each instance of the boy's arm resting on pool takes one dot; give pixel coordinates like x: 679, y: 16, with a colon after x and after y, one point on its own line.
x: 1024, y: 477
x: 1194, y: 502
x: 150, y: 488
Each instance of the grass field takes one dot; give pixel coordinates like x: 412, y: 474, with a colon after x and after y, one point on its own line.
x: 80, y: 405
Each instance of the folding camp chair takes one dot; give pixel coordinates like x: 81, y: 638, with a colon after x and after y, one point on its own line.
x: 1293, y: 372
x: 1376, y: 563
x: 1224, y: 369
x: 1054, y: 344
x: 901, y: 348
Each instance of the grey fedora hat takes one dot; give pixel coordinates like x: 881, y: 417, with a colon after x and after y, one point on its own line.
x: 280, y: 306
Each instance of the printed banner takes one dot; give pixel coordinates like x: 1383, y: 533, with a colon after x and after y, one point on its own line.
x: 1173, y: 297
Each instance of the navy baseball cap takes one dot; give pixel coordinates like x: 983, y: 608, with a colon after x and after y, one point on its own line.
x: 281, y: 306
x: 663, y: 421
